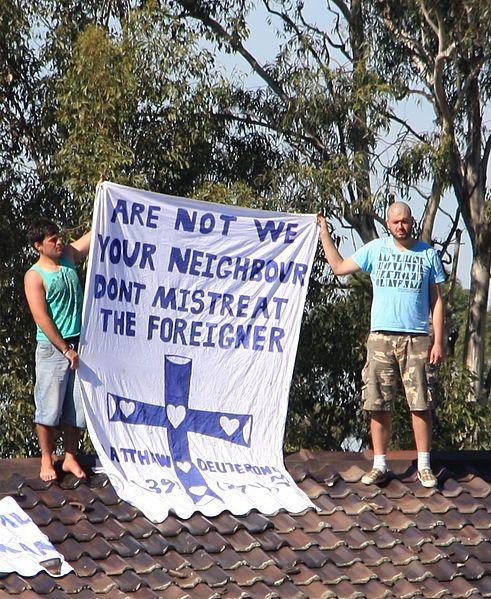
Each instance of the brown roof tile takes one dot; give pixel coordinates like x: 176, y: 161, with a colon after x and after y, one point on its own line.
x: 425, y: 520
x: 345, y: 590
x: 326, y: 505
x: 459, y: 587
x: 356, y: 539
x: 385, y: 539
x: 332, y: 574
x: 13, y: 584
x: 368, y: 521
x: 326, y: 539
x: 380, y: 504
x: 339, y: 490
x: 399, y: 555
x: 85, y: 567
x: 352, y: 505
x: 114, y: 565
x: 375, y: 590
x: 467, y: 504
x: 272, y: 541
x: 313, y: 489
x: 243, y: 541
x: 127, y: 546
x: 483, y: 586
x: 230, y: 559
x: 302, y: 576
x: 396, y: 521
x: 258, y: 559
x: 432, y: 589
x: 351, y: 473
x: 326, y: 473
x: 313, y: 557
x: 451, y: 488
x: 371, y: 556
x: 212, y: 542
x: 215, y: 576
x: 197, y: 525
x: 342, y: 556
x: 200, y: 560
x: 245, y: 576
x: 480, y: 519
x: 443, y: 537
x: 172, y: 560
x: 339, y: 521
x: 42, y: 584
x: 41, y: 515
x: 477, y: 487
x: 98, y: 548
x: 284, y: 523
x: 392, y: 540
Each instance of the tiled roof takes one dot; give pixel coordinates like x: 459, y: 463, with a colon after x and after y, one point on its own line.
x: 397, y: 540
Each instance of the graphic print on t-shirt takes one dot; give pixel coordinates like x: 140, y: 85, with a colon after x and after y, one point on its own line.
x: 400, y: 270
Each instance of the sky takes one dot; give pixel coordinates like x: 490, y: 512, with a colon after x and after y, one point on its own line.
x: 263, y: 45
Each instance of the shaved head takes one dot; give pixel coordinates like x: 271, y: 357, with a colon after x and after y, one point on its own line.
x: 400, y: 223
x: 399, y: 208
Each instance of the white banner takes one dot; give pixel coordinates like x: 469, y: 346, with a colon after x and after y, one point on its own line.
x: 191, y: 318
x: 23, y: 547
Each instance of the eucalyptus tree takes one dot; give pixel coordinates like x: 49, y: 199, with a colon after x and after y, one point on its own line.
x: 440, y: 51
x: 95, y: 88
x: 318, y: 98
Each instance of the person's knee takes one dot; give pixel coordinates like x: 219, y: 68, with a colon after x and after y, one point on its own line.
x: 382, y: 416
x: 424, y: 415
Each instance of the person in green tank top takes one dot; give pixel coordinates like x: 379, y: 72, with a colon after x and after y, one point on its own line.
x: 54, y: 296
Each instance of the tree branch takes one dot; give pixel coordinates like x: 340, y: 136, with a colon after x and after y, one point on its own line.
x: 236, y: 45
x: 405, y: 124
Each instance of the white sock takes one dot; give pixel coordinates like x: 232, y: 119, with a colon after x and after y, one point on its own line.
x: 380, y: 462
x: 423, y: 460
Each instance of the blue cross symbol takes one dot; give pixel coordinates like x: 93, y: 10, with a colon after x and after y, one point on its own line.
x: 180, y: 420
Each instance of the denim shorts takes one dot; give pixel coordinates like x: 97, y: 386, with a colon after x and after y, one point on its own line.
x: 57, y: 390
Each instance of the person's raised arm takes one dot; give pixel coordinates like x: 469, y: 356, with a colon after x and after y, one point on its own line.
x: 437, y: 351
x: 340, y: 266
x: 79, y: 249
x: 36, y: 298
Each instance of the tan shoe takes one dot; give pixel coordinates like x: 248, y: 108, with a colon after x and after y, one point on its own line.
x: 374, y: 477
x: 427, y: 478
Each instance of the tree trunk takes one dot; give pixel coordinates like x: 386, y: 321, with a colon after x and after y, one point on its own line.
x: 450, y: 326
x: 474, y: 343
x: 431, y: 211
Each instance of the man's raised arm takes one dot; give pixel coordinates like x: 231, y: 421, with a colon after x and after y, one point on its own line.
x: 339, y: 265
x: 80, y: 248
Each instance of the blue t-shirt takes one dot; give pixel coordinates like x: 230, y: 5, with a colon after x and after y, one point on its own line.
x: 401, y: 283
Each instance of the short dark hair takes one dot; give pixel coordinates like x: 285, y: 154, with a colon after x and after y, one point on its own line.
x: 41, y: 229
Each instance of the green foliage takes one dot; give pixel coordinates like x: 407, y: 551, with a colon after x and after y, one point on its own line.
x: 96, y: 101
x: 325, y: 406
x: 458, y: 424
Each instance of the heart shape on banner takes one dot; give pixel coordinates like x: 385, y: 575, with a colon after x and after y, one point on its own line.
x: 229, y: 425
x: 184, y: 466
x: 201, y: 490
x: 176, y: 414
x: 127, y: 407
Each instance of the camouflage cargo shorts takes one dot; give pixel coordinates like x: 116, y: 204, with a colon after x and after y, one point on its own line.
x: 393, y: 359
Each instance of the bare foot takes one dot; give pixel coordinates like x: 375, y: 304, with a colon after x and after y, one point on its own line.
x: 47, y: 472
x: 71, y: 465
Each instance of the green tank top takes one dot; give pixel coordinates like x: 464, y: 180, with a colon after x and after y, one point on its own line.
x: 63, y: 298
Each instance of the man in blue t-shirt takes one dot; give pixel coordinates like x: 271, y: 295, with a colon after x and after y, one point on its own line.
x: 406, y: 274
